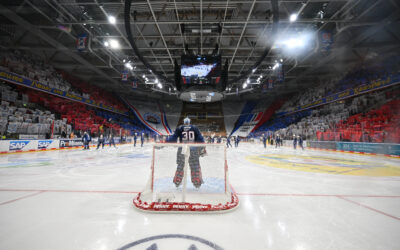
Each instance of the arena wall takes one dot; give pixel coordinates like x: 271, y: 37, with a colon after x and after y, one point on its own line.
x: 17, y: 146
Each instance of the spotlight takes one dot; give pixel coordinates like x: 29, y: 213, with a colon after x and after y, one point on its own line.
x: 106, y: 44
x: 129, y: 66
x: 114, y: 44
x: 293, y: 17
x: 248, y: 81
x: 112, y: 20
x: 159, y: 85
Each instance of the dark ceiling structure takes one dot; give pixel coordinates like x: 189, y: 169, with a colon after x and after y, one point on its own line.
x: 241, y: 31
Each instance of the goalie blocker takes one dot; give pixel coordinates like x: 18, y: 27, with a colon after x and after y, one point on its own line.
x: 170, y: 189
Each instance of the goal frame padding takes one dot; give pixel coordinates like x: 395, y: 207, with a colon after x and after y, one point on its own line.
x: 186, y: 206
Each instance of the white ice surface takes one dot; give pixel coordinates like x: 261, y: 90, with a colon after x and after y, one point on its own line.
x: 76, y: 199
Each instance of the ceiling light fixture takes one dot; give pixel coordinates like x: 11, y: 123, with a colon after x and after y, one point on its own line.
x: 112, y: 20
x: 293, y: 18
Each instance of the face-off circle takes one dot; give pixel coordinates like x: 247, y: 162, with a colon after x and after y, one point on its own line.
x: 171, y: 241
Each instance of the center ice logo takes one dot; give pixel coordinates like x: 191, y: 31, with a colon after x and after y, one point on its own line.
x: 18, y: 145
x: 172, y: 241
x: 44, y: 144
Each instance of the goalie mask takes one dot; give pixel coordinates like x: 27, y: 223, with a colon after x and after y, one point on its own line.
x: 186, y: 121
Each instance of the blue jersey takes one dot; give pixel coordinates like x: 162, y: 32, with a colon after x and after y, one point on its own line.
x: 186, y: 134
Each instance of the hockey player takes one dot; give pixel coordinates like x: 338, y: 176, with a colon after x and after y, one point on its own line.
x: 101, y: 141
x: 188, y: 133
x: 301, y: 142
x: 86, y: 140
x: 264, y: 139
x: 111, y: 140
x: 294, y: 141
x: 228, y: 142
x: 277, y: 141
x: 134, y: 139
x: 237, y: 140
x: 141, y: 139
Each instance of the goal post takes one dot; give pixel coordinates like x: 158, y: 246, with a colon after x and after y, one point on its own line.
x: 188, y: 177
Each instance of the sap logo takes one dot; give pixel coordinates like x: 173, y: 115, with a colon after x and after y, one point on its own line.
x: 172, y: 241
x: 44, y: 144
x: 18, y: 145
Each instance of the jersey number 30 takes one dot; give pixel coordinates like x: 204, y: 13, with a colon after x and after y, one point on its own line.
x: 188, y: 135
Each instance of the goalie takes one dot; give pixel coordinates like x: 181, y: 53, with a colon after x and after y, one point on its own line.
x: 188, y: 133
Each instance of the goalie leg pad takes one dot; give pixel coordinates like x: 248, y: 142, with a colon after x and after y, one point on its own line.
x: 180, y: 158
x: 197, y: 179
x: 178, y: 176
x: 195, y: 170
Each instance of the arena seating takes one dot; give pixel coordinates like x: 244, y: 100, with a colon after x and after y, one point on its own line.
x: 19, y: 117
x: 378, y: 125
x: 34, y: 67
x: 372, y: 117
x: 55, y: 115
x: 356, y: 77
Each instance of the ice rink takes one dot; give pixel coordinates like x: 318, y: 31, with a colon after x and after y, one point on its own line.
x: 75, y: 199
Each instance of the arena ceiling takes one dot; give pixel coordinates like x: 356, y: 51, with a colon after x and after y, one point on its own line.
x: 164, y: 30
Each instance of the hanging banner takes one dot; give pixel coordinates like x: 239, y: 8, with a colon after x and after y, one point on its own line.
x: 270, y: 83
x: 326, y: 40
x: 134, y: 84
x: 81, y: 42
x: 280, y: 76
x: 265, y: 87
x: 124, y: 75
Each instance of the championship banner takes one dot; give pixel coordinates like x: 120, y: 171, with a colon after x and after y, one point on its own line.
x: 81, y: 42
x: 280, y: 77
x: 33, y: 84
x: 134, y: 84
x: 265, y: 87
x: 326, y: 40
x: 270, y: 83
x: 124, y: 75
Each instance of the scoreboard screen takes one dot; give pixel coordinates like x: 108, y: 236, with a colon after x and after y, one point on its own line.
x: 200, y: 70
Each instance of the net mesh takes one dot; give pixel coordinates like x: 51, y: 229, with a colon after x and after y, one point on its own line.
x: 209, y: 159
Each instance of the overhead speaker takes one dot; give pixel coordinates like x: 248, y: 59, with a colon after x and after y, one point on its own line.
x: 177, y: 74
x: 224, y: 76
x: 183, y: 28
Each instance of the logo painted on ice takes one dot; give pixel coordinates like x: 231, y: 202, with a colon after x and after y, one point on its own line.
x: 18, y: 145
x: 179, y: 241
x: 44, y: 144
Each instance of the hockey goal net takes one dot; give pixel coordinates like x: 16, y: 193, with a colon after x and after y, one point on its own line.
x: 188, y: 177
